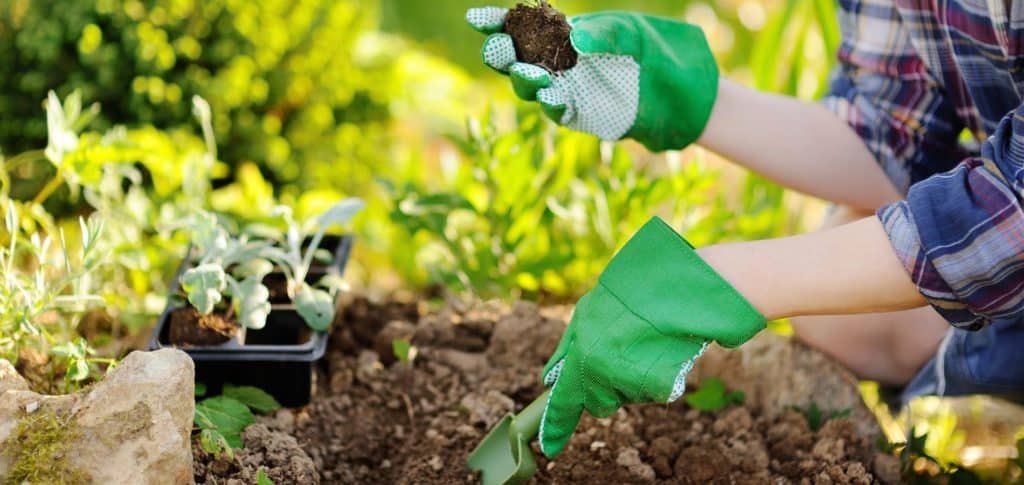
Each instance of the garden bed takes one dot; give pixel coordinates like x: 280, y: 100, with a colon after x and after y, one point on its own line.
x: 378, y: 420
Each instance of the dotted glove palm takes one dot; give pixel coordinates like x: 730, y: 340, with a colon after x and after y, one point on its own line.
x: 637, y: 76
x: 636, y: 335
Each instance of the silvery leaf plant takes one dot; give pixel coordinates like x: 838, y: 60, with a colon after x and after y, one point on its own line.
x: 227, y: 266
x: 314, y: 303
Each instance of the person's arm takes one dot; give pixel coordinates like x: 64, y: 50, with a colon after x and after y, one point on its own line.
x: 956, y: 242
x: 844, y: 270
x: 883, y: 110
x: 799, y: 145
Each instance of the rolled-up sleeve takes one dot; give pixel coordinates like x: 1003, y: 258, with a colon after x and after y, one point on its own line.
x: 885, y: 93
x: 960, y: 234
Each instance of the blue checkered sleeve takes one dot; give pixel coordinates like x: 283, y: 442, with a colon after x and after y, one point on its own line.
x: 960, y: 234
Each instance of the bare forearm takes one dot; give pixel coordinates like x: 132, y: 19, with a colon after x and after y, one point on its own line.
x: 845, y: 270
x: 797, y: 144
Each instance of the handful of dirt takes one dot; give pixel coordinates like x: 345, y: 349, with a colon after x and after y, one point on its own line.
x: 540, y: 35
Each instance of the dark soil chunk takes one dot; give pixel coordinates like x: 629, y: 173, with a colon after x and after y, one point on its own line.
x: 541, y: 36
x: 189, y: 327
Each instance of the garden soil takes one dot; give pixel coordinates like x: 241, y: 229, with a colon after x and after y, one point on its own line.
x: 540, y: 35
x: 189, y: 327
x: 378, y: 420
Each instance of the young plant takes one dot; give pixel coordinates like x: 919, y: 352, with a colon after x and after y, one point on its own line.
x: 221, y: 261
x: 222, y: 419
x: 314, y: 304
x: 42, y: 298
x: 816, y: 418
x: 712, y: 396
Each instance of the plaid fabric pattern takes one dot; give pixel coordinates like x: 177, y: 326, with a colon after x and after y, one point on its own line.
x: 913, y: 75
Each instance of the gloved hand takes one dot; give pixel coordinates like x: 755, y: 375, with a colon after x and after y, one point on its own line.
x: 636, y: 335
x: 637, y: 76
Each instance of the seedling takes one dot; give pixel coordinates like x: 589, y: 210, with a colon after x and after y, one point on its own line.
x: 315, y: 305
x: 540, y: 35
x: 712, y: 396
x: 227, y: 265
x: 262, y: 478
x: 222, y: 419
x: 816, y: 418
x: 55, y: 288
x: 404, y: 351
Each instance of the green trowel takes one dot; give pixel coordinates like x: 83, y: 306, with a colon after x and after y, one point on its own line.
x: 505, y: 456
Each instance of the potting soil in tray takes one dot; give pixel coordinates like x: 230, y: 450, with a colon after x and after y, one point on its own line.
x: 188, y: 327
x: 376, y: 420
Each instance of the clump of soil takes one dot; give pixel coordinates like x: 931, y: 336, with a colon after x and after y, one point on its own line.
x: 377, y: 420
x: 541, y: 36
x: 189, y: 327
x: 278, y: 454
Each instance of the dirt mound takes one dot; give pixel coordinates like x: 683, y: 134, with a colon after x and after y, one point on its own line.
x: 376, y: 420
x: 277, y: 453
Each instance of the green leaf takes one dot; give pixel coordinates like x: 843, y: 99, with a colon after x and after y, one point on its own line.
x: 254, y: 397
x: 813, y: 416
x: 224, y: 414
x: 401, y: 349
x: 212, y: 441
x: 204, y: 285
x: 712, y: 396
x: 78, y: 370
x: 315, y: 307
x: 253, y: 303
x: 200, y: 389
x: 341, y: 212
x: 262, y: 478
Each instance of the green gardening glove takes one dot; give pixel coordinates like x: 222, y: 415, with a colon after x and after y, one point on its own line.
x: 636, y: 335
x: 648, y: 78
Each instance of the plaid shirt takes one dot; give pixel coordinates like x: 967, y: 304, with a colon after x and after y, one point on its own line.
x: 913, y: 75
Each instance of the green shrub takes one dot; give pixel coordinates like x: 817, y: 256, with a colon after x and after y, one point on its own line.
x: 287, y: 82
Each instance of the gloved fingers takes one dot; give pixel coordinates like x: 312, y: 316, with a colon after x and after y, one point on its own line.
x: 554, y: 103
x: 488, y: 20
x: 527, y: 79
x: 667, y: 378
x: 499, y: 52
x: 561, y: 415
x: 601, y: 400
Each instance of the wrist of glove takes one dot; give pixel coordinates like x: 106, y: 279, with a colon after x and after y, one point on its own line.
x: 637, y: 76
x: 634, y: 337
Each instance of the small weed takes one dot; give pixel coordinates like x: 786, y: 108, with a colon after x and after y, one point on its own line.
x: 222, y: 419
x: 262, y: 478
x: 713, y: 396
x: 816, y: 418
x: 404, y: 351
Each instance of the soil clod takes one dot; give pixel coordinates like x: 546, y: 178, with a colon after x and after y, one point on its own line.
x: 541, y: 36
x: 189, y: 327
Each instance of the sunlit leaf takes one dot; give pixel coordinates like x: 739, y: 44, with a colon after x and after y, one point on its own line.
x: 315, y: 307
x: 254, y: 397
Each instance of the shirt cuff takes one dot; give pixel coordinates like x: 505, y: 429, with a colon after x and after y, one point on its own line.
x: 899, y: 224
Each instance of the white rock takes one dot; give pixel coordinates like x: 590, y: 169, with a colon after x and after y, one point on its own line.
x: 9, y: 378
x: 132, y: 427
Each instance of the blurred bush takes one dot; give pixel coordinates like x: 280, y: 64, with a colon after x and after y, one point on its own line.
x: 290, y: 82
x: 311, y: 102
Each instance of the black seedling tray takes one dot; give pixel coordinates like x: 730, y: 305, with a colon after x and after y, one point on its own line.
x: 278, y: 358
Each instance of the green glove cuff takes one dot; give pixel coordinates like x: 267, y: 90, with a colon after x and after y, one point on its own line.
x: 661, y: 279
